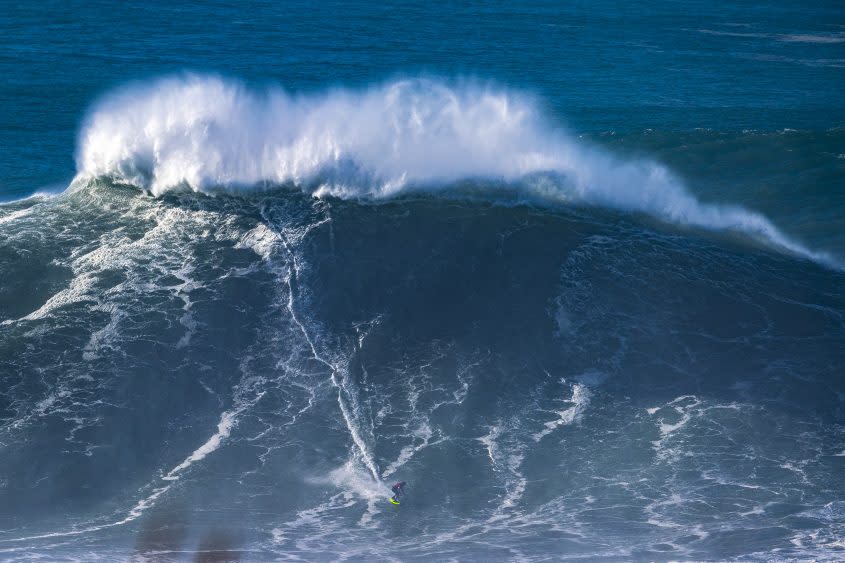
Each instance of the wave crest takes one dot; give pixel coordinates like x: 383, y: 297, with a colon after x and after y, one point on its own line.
x: 206, y: 132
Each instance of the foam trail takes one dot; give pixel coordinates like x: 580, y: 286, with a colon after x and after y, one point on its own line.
x: 346, y: 397
x: 579, y: 400
x: 209, y: 133
x: 224, y: 428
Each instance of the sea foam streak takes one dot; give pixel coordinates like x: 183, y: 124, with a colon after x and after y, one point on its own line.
x: 207, y: 133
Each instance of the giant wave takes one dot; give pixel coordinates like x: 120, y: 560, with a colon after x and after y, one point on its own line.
x: 256, y: 367
x: 207, y: 133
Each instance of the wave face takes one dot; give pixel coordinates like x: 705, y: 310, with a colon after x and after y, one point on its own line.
x: 207, y: 133
x: 247, y: 375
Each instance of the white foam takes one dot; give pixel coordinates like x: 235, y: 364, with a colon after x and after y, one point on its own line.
x: 34, y: 201
x: 683, y: 407
x: 349, y: 478
x: 489, y: 441
x: 509, y: 462
x: 579, y: 400
x: 424, y: 433
x: 261, y: 240
x: 516, y: 485
x: 101, y: 338
x: 755, y: 510
x: 672, y: 417
x: 346, y: 397
x: 20, y: 213
x: 224, y: 428
x: 80, y: 289
x: 205, y: 133
x: 354, y: 484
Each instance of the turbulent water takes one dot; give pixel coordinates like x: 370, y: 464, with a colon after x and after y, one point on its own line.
x: 255, y: 306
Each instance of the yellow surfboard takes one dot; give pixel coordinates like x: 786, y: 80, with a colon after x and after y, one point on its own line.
x: 394, y: 501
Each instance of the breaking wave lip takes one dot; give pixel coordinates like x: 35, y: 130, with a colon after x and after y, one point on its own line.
x: 206, y: 133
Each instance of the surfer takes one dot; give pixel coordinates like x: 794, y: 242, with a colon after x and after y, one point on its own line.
x: 398, y: 490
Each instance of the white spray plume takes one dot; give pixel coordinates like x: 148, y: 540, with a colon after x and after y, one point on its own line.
x: 209, y: 133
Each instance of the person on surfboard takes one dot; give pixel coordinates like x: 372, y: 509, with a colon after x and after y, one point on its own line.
x: 398, y: 490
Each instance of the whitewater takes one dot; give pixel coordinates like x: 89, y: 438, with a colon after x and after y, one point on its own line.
x: 206, y: 133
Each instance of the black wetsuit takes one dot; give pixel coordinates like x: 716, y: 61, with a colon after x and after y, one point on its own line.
x: 398, y: 489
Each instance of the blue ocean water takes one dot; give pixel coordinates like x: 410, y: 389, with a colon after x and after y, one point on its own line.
x: 574, y: 272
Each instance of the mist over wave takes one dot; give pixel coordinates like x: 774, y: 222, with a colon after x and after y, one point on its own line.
x: 208, y: 133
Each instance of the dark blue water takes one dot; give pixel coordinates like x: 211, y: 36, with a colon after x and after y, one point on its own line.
x: 573, y: 272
